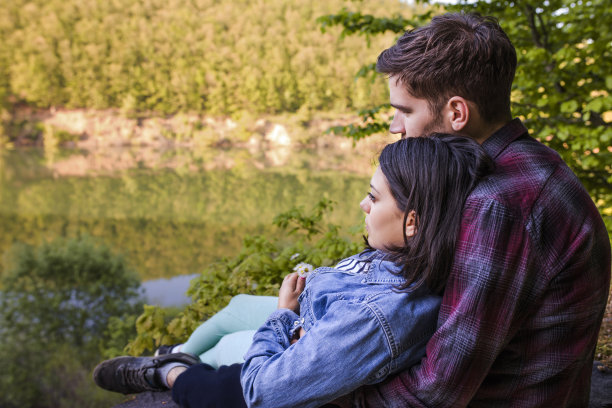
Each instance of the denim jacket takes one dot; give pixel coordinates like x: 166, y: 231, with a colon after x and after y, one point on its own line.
x: 358, y: 331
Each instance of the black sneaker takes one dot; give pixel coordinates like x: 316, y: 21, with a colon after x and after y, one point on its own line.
x: 165, y: 349
x: 130, y: 375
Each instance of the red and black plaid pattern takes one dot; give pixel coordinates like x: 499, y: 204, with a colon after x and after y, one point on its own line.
x: 523, y: 305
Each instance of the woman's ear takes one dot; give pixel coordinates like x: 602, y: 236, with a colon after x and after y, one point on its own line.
x: 411, y: 224
x: 458, y: 113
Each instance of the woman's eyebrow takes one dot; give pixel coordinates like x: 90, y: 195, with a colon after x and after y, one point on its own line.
x: 374, y: 188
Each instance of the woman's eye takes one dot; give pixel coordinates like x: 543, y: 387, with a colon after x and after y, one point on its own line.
x: 371, y: 196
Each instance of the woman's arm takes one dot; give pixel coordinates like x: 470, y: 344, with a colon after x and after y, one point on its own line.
x: 351, y: 345
x: 338, y: 354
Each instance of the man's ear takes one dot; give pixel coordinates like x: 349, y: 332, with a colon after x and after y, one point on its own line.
x: 411, y: 224
x: 458, y: 113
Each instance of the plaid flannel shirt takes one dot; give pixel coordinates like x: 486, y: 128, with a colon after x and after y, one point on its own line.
x: 526, y: 295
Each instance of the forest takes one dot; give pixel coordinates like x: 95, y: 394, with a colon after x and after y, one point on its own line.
x: 218, y: 57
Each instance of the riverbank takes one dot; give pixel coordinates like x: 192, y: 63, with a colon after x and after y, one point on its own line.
x: 97, y: 129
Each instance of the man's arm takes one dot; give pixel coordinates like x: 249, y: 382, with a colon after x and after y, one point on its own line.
x: 484, y: 303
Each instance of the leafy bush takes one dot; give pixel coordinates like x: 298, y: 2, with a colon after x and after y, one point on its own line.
x: 258, y: 269
x: 56, y: 303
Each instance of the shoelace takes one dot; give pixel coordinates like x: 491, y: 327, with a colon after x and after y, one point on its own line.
x: 136, y: 377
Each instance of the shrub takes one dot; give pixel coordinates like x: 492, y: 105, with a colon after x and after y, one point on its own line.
x: 258, y: 269
x: 56, y: 303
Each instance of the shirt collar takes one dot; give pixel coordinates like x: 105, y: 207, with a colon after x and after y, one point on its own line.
x: 383, y: 271
x: 503, y: 137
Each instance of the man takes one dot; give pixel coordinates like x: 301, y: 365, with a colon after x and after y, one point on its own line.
x: 522, y: 307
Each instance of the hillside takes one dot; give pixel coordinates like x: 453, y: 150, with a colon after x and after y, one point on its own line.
x: 215, y: 56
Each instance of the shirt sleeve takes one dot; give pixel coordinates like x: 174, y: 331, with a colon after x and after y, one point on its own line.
x: 491, y: 282
x: 346, y: 348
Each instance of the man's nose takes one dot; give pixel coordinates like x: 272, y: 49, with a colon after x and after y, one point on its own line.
x: 397, y: 124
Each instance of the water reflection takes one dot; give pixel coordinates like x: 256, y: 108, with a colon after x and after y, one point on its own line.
x: 167, y: 292
x: 173, y: 211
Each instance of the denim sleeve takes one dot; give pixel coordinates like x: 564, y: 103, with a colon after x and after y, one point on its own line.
x: 346, y: 348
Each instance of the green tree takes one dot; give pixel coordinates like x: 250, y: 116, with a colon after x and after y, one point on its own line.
x: 56, y: 304
x: 169, y: 56
x: 563, y: 81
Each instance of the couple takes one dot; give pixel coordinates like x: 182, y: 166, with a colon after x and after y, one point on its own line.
x: 523, y: 260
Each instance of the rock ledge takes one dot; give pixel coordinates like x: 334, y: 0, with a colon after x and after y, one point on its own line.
x: 601, y: 393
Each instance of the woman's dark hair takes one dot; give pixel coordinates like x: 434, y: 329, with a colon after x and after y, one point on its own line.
x: 431, y: 176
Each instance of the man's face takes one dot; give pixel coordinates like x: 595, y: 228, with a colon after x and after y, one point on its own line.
x: 412, y: 115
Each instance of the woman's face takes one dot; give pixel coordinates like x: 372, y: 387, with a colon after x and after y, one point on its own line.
x: 384, y: 221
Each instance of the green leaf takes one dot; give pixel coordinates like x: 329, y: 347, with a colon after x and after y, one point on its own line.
x: 595, y: 105
x: 569, y: 106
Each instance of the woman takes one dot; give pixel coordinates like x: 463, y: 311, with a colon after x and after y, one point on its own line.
x: 373, y: 313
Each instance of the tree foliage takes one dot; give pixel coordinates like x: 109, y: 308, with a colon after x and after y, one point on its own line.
x: 69, y: 288
x: 56, y: 303
x: 220, y: 57
x: 562, y: 85
x: 564, y: 79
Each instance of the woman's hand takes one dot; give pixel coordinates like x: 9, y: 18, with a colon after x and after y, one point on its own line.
x: 289, y: 292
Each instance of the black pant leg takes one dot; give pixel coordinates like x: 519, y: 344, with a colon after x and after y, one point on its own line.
x: 201, y: 386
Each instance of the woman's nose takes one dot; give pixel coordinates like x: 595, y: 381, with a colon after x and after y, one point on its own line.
x: 365, y: 205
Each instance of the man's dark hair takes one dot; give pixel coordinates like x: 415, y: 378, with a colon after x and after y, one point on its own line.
x: 433, y: 177
x: 460, y: 54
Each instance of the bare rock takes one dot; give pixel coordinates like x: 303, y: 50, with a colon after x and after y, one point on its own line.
x: 601, y: 386
x: 149, y: 400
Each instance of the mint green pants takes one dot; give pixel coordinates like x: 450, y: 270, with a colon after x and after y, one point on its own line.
x: 225, y: 338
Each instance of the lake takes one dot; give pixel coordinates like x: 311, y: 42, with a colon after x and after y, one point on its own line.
x: 172, y: 211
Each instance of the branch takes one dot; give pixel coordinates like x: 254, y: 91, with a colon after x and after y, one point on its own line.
x: 544, y: 32
x: 366, y: 24
x: 535, y: 35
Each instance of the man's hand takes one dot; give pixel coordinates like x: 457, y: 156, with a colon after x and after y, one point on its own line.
x: 298, y: 336
x: 288, y: 294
